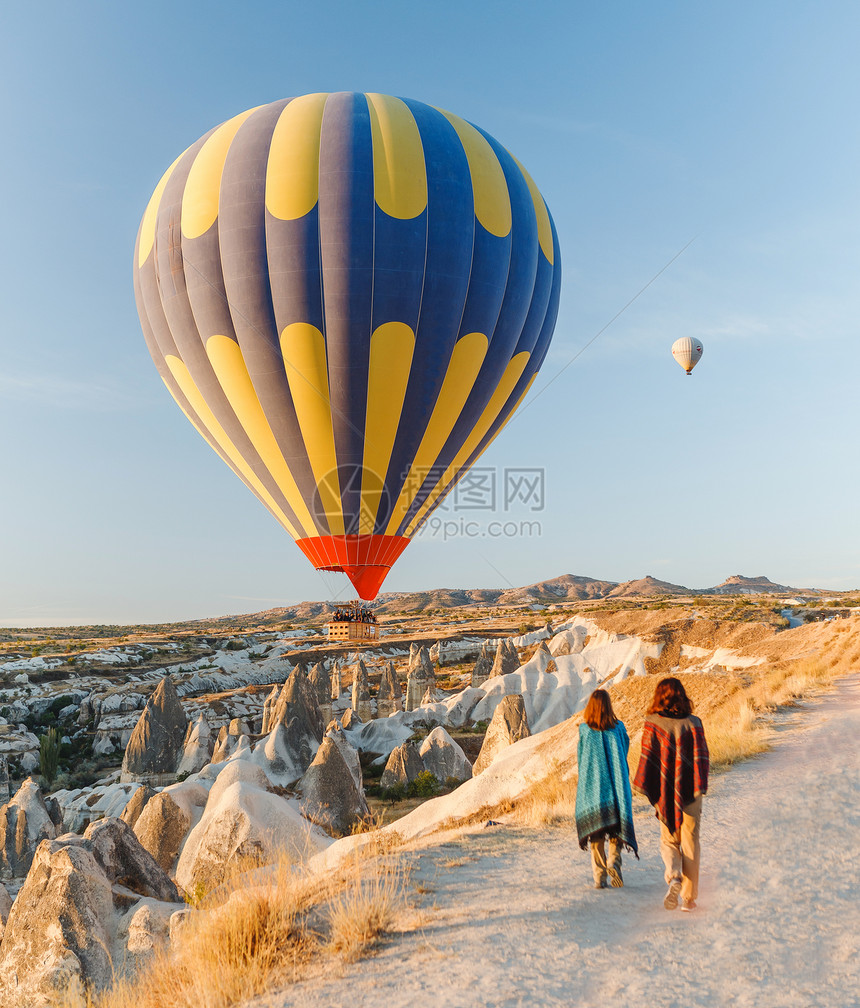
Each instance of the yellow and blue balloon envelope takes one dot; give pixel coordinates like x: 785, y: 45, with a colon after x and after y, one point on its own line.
x: 348, y: 295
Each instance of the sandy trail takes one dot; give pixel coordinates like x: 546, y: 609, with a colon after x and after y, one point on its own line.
x: 512, y: 919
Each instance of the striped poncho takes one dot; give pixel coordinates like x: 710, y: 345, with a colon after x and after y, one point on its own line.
x: 673, y: 767
x: 604, y: 804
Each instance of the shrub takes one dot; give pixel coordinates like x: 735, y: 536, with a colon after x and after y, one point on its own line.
x: 425, y: 785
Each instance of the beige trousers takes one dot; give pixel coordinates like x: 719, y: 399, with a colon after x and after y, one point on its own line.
x: 599, y: 862
x: 680, y: 851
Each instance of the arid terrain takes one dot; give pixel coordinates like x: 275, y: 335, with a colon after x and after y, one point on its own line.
x: 159, y: 781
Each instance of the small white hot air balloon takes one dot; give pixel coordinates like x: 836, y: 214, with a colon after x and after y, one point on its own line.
x: 687, y: 352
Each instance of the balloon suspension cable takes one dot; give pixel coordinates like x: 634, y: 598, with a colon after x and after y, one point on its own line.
x: 600, y: 332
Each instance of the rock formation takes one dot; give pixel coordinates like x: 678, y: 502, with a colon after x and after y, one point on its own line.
x: 297, y: 731
x: 5, y: 794
x: 421, y: 675
x: 64, y: 925
x: 136, y: 804
x: 389, y: 698
x: 509, y: 725
x: 348, y: 751
x: 198, y: 747
x: 320, y: 680
x: 298, y: 699
x: 483, y: 667
x: 269, y: 705
x: 330, y: 796
x: 403, y: 766
x: 445, y: 759
x: 569, y: 641
x: 5, y: 907
x: 544, y: 660
x: 507, y: 660
x: 228, y: 739
x: 336, y: 684
x: 161, y: 829
x: 243, y: 822
x: 24, y: 823
x: 361, y: 693
x: 155, y: 747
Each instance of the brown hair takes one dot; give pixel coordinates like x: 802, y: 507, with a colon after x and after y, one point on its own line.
x: 599, y: 714
x: 671, y: 698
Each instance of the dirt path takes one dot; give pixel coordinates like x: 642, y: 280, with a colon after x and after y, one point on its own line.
x: 512, y: 919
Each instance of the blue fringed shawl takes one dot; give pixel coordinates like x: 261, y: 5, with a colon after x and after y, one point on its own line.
x: 604, y: 803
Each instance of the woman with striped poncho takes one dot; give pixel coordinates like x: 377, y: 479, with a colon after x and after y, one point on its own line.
x: 604, y: 804
x: 673, y: 776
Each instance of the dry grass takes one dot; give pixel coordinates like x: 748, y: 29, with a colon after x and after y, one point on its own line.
x: 739, y: 728
x: 551, y: 802
x: 263, y: 936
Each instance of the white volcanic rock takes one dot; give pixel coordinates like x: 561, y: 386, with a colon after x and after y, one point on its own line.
x: 136, y: 804
x: 458, y: 709
x: 65, y: 922
x: 443, y: 757
x: 5, y: 907
x: 543, y: 660
x: 403, y: 766
x: 336, y: 682
x: 347, y: 751
x: 24, y: 823
x: 198, y: 746
x: 58, y: 928
x: 155, y: 746
x: 142, y: 930
x: 389, y: 697
x: 268, y: 710
x: 420, y: 677
x: 569, y: 641
x: 361, y: 693
x: 380, y: 736
x: 161, y: 829
x: 228, y: 740
x: 290, y: 747
x: 320, y: 680
x: 242, y: 819
x: 482, y: 668
x: 330, y: 795
x: 509, y: 725
x: 82, y: 806
x: 506, y: 660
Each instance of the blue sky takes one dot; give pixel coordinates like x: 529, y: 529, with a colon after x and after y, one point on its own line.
x: 647, y: 127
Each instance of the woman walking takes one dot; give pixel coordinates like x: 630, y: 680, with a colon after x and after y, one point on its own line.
x: 604, y: 803
x: 673, y: 776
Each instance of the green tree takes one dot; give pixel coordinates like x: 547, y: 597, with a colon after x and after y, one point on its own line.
x: 49, y: 755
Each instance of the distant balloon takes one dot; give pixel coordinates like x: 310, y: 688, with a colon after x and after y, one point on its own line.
x: 687, y: 352
x: 348, y: 295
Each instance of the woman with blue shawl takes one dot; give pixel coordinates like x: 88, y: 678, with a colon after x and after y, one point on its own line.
x: 604, y: 804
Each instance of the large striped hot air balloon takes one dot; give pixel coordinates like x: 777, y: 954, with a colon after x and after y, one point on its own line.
x: 348, y: 295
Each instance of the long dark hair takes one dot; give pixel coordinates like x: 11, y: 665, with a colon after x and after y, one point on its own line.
x: 671, y: 698
x: 599, y: 714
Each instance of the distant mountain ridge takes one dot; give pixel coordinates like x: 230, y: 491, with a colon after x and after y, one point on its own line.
x: 565, y: 588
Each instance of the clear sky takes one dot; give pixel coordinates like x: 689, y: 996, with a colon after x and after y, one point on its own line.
x: 646, y: 127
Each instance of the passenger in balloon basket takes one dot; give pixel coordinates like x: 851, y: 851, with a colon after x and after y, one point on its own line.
x: 604, y: 803
x: 673, y: 776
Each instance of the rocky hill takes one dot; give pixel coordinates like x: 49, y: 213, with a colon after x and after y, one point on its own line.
x: 737, y: 584
x: 647, y: 587
x: 565, y: 588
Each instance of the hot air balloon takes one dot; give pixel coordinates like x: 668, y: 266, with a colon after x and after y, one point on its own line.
x: 348, y: 295
x: 687, y: 352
